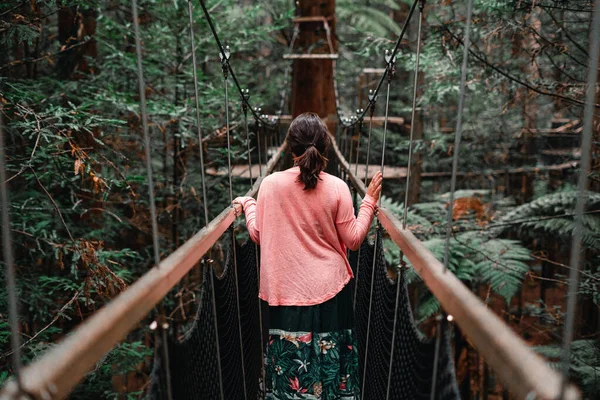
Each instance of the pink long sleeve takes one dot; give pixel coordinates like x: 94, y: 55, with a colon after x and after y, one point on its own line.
x: 353, y: 230
x: 249, y: 205
x: 303, y: 235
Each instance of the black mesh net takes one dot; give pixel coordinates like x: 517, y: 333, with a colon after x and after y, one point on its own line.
x: 412, y: 370
x: 193, y: 361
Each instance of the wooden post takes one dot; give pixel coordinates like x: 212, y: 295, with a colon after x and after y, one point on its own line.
x: 312, y: 79
x: 312, y: 82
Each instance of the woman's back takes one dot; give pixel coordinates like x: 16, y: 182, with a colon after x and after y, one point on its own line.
x: 303, y: 236
x: 304, y: 221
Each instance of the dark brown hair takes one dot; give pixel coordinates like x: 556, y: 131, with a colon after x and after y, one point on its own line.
x: 308, y: 139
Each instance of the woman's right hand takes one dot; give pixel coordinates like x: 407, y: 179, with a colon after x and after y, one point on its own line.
x: 374, y: 189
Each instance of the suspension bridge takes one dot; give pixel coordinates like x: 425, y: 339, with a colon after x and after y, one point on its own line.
x: 221, y: 357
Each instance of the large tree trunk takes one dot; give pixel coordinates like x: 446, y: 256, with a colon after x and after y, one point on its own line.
x: 312, y: 85
x: 312, y: 80
x: 595, y: 170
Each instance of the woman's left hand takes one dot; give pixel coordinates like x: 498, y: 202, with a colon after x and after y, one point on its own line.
x: 240, y: 201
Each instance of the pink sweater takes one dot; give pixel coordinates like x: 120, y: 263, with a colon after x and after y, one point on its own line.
x: 303, y: 236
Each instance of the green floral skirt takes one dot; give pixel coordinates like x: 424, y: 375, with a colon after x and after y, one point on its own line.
x: 311, y: 351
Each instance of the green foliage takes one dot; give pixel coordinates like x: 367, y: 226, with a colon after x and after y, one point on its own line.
x: 553, y: 215
x: 79, y: 203
x: 123, y: 359
x: 368, y: 17
x: 585, y: 364
x: 474, y: 258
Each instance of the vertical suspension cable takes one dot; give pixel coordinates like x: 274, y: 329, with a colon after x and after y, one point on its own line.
x: 245, y: 98
x: 359, y: 133
x: 372, y: 102
x: 413, y: 114
x: 11, y: 289
x: 389, y: 71
x: 458, y: 133
x: 402, y: 268
x: 144, y: 117
x: 576, y: 247
x: 148, y: 153
x: 204, y: 198
x: 405, y: 213
x: 225, y: 67
x: 457, y: 137
x: 257, y: 126
x: 198, y: 126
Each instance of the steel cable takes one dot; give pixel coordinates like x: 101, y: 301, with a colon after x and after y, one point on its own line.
x: 576, y: 247
x: 226, y: 71
x: 390, y: 68
x: 11, y: 289
x: 202, y: 172
x: 372, y: 102
x: 457, y: 138
x: 410, y: 147
x: 148, y: 153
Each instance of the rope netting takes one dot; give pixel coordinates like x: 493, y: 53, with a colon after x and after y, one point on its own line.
x: 193, y: 361
x: 413, y: 354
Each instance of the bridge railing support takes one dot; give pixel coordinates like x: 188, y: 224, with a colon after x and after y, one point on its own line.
x: 60, y: 369
x: 526, y: 374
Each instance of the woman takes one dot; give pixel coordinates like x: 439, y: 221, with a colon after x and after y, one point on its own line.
x: 304, y: 221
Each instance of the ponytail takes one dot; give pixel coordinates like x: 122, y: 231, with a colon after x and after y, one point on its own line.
x: 308, y: 138
x: 311, y: 163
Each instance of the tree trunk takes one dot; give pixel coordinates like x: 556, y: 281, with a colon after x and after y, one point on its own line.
x: 312, y: 85
x: 312, y: 79
x: 74, y: 25
x: 595, y: 168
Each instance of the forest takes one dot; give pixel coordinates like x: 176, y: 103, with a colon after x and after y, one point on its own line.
x: 76, y: 172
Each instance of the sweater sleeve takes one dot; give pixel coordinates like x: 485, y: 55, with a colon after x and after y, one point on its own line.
x: 249, y: 205
x: 353, y: 230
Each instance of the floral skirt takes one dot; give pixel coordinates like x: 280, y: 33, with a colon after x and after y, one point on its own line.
x: 311, y: 351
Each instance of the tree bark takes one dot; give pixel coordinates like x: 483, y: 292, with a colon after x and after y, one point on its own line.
x: 312, y: 84
x: 312, y: 79
x: 74, y: 26
x: 595, y: 167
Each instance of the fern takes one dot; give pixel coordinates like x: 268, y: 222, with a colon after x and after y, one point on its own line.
x: 503, y: 266
x: 418, y: 224
x: 532, y: 218
x: 585, y: 364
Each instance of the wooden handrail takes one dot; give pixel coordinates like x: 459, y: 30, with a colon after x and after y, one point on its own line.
x: 523, y: 371
x: 56, y: 373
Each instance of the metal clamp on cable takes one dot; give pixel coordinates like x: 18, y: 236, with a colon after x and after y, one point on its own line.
x: 372, y: 102
x: 359, y: 115
x: 224, y: 55
x: 245, y: 97
x: 403, y: 266
x: 390, y: 66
